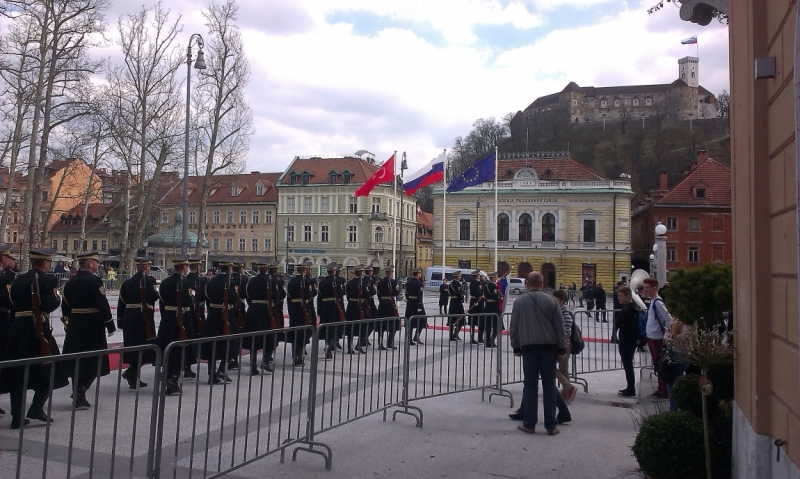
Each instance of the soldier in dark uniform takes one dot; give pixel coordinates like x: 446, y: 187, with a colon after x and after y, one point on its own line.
x: 7, y: 264
x: 278, y: 297
x: 172, y: 329
x: 355, y: 311
x: 415, y: 306
x: 195, y: 321
x: 341, y: 293
x: 313, y: 292
x: 239, y: 280
x: 136, y: 318
x: 493, y: 298
x: 25, y: 343
x: 298, y: 293
x: 87, y: 319
x: 443, y: 296
x: 260, y: 317
x: 456, y: 293
x: 370, y: 290
x: 387, y: 308
x: 220, y: 316
x: 475, y: 307
x: 328, y: 310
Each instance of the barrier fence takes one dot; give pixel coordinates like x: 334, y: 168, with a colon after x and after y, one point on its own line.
x: 203, y: 430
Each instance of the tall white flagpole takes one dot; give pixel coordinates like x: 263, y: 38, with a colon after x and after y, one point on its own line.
x: 394, y: 208
x: 496, y: 214
x: 444, y: 214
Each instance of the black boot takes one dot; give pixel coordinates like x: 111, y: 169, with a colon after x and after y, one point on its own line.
x: 188, y: 373
x: 173, y: 387
x: 130, y: 375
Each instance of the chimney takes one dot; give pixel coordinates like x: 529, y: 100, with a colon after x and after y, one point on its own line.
x: 663, y: 185
x: 255, y: 172
x: 702, y: 156
x: 694, y: 165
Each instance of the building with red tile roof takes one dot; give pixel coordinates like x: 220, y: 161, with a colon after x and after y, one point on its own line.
x: 696, y: 210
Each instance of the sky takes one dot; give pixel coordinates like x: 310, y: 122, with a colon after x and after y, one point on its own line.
x: 338, y: 76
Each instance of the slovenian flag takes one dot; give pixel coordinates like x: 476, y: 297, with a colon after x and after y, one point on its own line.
x: 431, y: 173
x: 689, y: 41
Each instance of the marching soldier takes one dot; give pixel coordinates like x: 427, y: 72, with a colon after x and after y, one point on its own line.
x: 313, y: 292
x: 31, y: 337
x: 136, y: 318
x: 387, y: 308
x: 298, y: 292
x: 175, y: 305
x: 87, y: 319
x: 415, y: 307
x: 221, y: 296
x: 355, y: 310
x: 444, y: 298
x: 341, y: 293
x: 259, y: 294
x: 196, y: 319
x: 7, y: 264
x: 493, y: 298
x: 475, y: 306
x: 370, y: 290
x: 456, y: 307
x: 329, y: 309
x: 278, y: 297
x: 239, y: 280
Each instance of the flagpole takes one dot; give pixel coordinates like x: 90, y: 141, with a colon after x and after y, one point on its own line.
x: 394, y: 199
x: 496, y: 161
x: 444, y: 214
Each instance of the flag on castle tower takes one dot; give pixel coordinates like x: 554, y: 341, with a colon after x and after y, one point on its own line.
x: 689, y: 41
x: 385, y: 174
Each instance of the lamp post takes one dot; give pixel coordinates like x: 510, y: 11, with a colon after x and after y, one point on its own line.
x: 642, y: 121
x: 690, y: 121
x: 660, y: 249
x: 286, y: 258
x: 403, y: 167
x: 199, y: 64
x: 604, y: 121
x: 477, y: 210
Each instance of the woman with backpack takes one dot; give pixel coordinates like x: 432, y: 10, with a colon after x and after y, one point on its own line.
x: 628, y: 338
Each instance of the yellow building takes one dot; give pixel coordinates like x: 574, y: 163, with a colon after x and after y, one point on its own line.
x: 554, y: 215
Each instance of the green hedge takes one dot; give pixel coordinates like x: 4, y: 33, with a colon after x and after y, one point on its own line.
x: 670, y: 446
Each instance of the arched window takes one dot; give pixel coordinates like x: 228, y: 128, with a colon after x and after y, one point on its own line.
x: 525, y: 223
x: 548, y: 227
x: 379, y: 234
x: 502, y: 227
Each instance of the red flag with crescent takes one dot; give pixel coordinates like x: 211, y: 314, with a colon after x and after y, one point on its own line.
x: 385, y: 174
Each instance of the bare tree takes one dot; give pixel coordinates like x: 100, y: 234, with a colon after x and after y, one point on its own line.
x: 485, y: 135
x: 224, y: 118
x: 723, y: 104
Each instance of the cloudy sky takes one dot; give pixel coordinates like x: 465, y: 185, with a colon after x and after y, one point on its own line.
x: 337, y: 76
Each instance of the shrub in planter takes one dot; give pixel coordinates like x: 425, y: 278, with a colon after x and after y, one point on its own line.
x: 687, y: 395
x: 670, y: 446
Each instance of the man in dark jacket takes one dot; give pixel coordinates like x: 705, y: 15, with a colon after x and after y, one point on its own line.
x: 456, y: 294
x: 87, y: 319
x: 588, y: 297
x: 136, y: 318
x: 599, y: 295
x: 175, y: 306
x: 628, y: 336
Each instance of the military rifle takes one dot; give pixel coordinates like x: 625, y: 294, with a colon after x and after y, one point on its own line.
x: 198, y: 320
x: 270, y: 312
x: 179, y: 311
x: 149, y: 333
x: 304, y: 302
x: 44, y: 345
x: 226, y: 328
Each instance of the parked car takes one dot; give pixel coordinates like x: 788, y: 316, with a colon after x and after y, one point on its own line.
x: 516, y: 285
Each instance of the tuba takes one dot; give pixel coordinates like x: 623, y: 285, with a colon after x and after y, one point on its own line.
x: 637, y: 280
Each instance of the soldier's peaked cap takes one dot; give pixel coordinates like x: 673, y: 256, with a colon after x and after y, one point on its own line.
x: 416, y: 270
x: 477, y: 272
x: 388, y: 269
x: 456, y: 273
x: 274, y: 265
x: 195, y: 260
x: 7, y: 249
x: 226, y: 261
x: 45, y: 254
x: 330, y: 266
x: 89, y: 255
x: 147, y: 259
x: 263, y: 261
x: 181, y: 259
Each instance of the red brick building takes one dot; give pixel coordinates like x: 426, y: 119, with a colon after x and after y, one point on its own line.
x: 697, y: 213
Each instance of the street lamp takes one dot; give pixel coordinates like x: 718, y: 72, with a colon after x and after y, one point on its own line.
x: 199, y: 64
x: 477, y: 210
x: 690, y: 121
x: 604, y: 121
x: 660, y: 247
x: 403, y: 167
x: 642, y: 121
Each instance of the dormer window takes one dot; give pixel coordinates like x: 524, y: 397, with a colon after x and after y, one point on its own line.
x: 260, y: 190
x: 346, y: 177
x: 293, y: 178
x: 234, y: 191
x: 306, y: 178
x: 332, y: 176
x: 700, y: 193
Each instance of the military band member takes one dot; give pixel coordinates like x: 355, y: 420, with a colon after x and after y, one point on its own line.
x: 298, y: 292
x: 7, y: 264
x: 456, y: 307
x: 415, y: 306
x: 221, y: 314
x: 196, y: 320
x: 260, y: 310
x: 171, y: 329
x: 355, y: 311
x: 136, y: 318
x: 328, y: 310
x: 387, y: 308
x: 87, y: 320
x: 493, y: 298
x: 475, y: 307
x: 25, y: 341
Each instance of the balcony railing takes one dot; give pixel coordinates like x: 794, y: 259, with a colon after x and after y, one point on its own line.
x: 377, y: 216
x: 351, y: 245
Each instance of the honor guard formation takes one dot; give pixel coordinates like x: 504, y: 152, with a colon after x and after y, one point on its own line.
x: 193, y: 306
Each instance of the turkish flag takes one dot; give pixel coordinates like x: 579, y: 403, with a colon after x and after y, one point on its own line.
x: 385, y: 174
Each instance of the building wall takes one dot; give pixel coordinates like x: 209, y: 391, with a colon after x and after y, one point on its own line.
x: 764, y: 163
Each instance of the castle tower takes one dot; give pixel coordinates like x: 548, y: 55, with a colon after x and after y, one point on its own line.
x: 689, y: 70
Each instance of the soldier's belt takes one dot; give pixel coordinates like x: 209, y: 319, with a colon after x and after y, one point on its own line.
x: 297, y: 300
x: 325, y: 300
x: 85, y: 310
x: 218, y: 306
x: 386, y: 297
x: 491, y: 300
x: 412, y: 297
x: 138, y: 306
x: 22, y: 314
x: 172, y: 308
x: 353, y: 299
x: 259, y: 301
x: 475, y: 297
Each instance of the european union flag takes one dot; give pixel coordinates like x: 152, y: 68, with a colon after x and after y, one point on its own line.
x: 476, y: 174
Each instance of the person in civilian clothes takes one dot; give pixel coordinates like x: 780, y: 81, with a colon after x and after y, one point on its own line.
x: 137, y: 324
x: 456, y: 294
x: 196, y: 319
x: 415, y: 306
x: 25, y: 343
x: 169, y: 328
x: 220, y: 316
x: 87, y: 320
x: 568, y: 390
x: 658, y: 320
x: 475, y: 307
x: 444, y: 299
x: 7, y: 264
x: 328, y: 311
x: 259, y: 318
x: 354, y: 311
x: 599, y: 295
x: 627, y: 338
x: 387, y: 308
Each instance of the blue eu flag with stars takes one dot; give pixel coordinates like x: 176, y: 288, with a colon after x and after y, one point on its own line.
x: 476, y: 174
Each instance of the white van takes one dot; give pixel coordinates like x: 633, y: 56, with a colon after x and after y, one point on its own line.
x: 433, y: 276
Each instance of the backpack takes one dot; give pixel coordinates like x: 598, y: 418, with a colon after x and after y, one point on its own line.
x: 576, y: 340
x: 641, y: 326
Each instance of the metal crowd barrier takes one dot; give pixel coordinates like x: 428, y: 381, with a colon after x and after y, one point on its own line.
x: 113, y: 438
